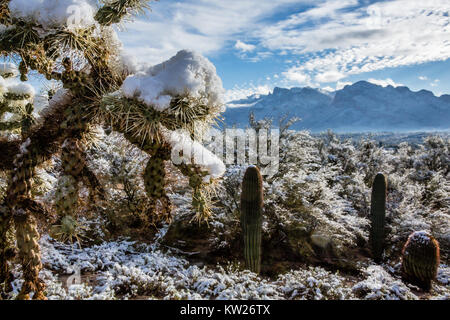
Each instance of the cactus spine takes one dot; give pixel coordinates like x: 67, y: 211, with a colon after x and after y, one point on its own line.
x: 251, y: 217
x: 377, y: 215
x: 420, y: 259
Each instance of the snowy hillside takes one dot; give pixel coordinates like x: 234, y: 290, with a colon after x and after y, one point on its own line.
x: 360, y: 107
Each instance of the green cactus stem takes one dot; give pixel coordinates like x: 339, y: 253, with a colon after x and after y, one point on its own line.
x: 251, y: 217
x: 378, y: 215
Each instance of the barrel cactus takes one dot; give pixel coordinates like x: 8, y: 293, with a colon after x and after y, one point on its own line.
x: 420, y: 259
x: 377, y: 216
x: 251, y: 217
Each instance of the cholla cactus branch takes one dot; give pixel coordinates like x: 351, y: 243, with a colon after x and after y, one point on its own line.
x: 5, y: 17
x: 6, y: 249
x: 27, y: 240
x: 9, y: 126
x: 114, y: 11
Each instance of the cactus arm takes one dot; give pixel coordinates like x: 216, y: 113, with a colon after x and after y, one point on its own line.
x: 115, y: 11
x: 22, y: 157
x: 11, y: 125
x: 155, y: 184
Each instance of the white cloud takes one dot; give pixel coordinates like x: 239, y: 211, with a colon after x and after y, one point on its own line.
x: 328, y: 89
x: 329, y: 76
x: 330, y: 41
x: 242, y: 92
x: 206, y: 26
x: 383, y: 35
x: 244, y: 47
x: 435, y: 83
x: 340, y: 85
x: 423, y: 78
x: 385, y: 82
x: 297, y: 76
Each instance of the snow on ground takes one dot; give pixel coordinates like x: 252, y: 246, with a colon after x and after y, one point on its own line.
x: 380, y: 285
x: 126, y: 270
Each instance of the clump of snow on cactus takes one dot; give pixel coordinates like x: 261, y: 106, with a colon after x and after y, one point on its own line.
x: 187, y: 73
x: 22, y: 89
x: 8, y: 69
x: 55, y: 13
x: 205, y: 159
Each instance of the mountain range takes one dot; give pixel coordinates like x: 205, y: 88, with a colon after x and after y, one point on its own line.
x: 361, y: 107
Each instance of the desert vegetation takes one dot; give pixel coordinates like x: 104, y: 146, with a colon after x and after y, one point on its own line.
x: 94, y: 203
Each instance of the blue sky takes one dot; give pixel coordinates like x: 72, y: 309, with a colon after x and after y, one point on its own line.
x: 259, y: 44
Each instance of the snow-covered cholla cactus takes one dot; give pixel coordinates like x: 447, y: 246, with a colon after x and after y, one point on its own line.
x: 420, y: 259
x: 378, y: 215
x: 163, y: 110
x: 73, y: 42
x: 73, y: 160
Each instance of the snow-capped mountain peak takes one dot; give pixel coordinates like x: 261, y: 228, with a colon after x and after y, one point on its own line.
x: 363, y: 106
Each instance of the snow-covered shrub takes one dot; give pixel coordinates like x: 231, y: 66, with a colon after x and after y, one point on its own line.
x: 314, y: 284
x: 380, y: 285
x: 127, y: 270
x: 320, y: 198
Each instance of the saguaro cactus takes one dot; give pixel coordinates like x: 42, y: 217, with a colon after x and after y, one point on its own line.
x: 251, y: 217
x: 420, y: 259
x: 377, y: 215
